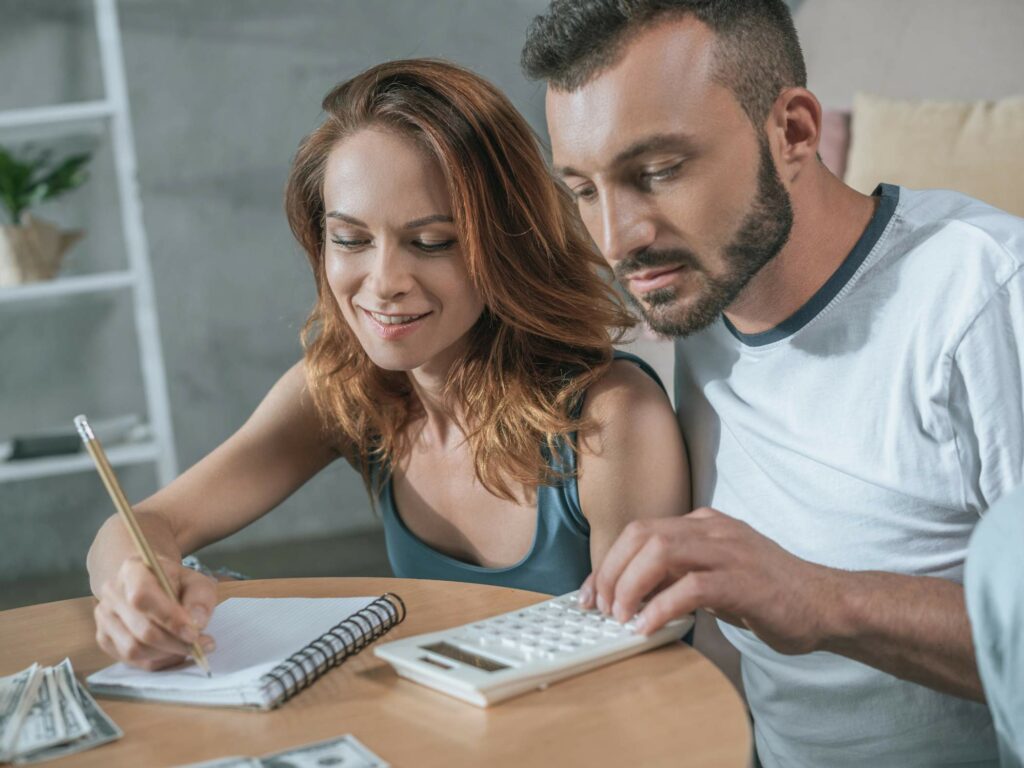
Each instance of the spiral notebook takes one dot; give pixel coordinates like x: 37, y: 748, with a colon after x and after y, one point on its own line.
x: 268, y: 649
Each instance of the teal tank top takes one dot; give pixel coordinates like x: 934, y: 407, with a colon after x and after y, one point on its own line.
x: 558, y: 561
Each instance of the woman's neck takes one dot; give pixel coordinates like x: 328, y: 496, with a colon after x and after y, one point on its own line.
x: 441, y: 419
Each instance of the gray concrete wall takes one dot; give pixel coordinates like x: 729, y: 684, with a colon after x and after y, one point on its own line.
x: 221, y: 93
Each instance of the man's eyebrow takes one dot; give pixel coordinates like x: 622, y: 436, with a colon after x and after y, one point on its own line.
x: 656, y: 143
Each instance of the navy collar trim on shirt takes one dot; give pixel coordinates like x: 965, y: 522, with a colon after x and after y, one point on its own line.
x: 889, y: 195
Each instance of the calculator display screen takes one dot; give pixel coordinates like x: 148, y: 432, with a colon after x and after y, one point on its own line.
x: 464, y: 656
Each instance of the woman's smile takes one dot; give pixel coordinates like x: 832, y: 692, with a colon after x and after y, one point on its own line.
x: 391, y: 327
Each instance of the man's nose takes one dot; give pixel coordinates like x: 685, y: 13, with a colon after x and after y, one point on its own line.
x: 626, y: 226
x: 392, y: 273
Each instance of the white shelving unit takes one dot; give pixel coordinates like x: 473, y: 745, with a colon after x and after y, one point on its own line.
x: 113, y: 111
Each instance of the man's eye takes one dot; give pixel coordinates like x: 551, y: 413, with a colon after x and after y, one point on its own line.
x: 661, y: 174
x: 432, y: 247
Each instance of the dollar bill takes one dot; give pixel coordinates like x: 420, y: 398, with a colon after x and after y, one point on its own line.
x: 227, y: 762
x: 43, y: 726
x: 343, y: 752
x: 101, y: 729
x: 76, y: 725
x: 17, y: 692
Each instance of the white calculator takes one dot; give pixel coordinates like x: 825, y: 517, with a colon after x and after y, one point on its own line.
x: 492, y: 660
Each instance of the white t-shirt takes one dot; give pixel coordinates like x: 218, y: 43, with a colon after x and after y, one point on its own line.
x: 869, y: 432
x: 994, y: 588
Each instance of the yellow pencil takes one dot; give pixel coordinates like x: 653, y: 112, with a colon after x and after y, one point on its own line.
x: 125, y: 510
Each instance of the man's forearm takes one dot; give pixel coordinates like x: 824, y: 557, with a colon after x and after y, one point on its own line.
x: 913, y: 627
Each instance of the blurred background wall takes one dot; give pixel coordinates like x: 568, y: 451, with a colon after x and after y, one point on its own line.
x: 221, y: 93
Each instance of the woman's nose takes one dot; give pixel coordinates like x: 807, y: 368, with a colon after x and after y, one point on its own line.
x: 392, y: 273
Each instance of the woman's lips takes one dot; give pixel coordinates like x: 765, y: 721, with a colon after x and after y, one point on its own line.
x: 653, y: 279
x: 394, y: 331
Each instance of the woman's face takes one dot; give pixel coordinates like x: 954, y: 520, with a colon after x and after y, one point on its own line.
x: 392, y: 255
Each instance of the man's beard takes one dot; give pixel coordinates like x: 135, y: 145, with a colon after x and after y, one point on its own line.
x: 760, y: 237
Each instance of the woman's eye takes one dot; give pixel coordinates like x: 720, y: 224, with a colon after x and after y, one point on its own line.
x: 349, y: 244
x: 431, y: 247
x: 584, y: 193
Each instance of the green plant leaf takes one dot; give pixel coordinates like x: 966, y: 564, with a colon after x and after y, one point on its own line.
x: 67, y: 175
x: 15, y: 179
x: 28, y: 180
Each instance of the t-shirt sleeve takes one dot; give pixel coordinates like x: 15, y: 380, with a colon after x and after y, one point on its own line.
x: 987, y: 397
x: 993, y: 583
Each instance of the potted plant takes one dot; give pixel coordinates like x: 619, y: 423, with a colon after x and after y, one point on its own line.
x: 31, y: 248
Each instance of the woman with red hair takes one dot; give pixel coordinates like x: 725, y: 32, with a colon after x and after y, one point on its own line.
x: 459, y: 356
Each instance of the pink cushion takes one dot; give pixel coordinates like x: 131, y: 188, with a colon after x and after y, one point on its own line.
x: 835, y: 140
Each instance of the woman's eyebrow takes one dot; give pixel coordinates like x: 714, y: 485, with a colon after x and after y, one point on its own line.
x: 414, y: 224
x: 432, y: 219
x: 346, y: 218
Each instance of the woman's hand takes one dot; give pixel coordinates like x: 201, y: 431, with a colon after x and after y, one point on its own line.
x: 137, y: 623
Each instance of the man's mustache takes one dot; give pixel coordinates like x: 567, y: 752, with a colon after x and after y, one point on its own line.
x: 648, y: 259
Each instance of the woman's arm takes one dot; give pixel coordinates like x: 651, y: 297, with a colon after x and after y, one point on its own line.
x: 634, y: 465
x: 278, y: 449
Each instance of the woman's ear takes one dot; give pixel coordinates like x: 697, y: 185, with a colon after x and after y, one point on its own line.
x: 793, y: 129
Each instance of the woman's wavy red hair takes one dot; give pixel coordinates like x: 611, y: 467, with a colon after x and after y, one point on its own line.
x: 549, y: 321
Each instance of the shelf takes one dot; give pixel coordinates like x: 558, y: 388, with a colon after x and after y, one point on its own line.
x: 119, y: 455
x: 80, y: 112
x: 67, y: 286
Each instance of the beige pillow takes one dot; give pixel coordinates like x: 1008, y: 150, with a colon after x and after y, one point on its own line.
x: 975, y: 148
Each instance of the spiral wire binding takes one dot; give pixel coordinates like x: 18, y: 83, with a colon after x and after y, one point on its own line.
x: 345, y: 639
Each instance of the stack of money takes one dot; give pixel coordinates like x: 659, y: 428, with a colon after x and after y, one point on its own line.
x: 45, y: 713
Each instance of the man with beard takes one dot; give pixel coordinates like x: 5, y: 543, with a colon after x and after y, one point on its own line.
x: 849, y: 376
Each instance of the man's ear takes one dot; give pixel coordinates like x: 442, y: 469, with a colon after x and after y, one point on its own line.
x: 793, y: 129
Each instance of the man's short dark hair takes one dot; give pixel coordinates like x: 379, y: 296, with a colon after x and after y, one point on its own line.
x: 757, y: 53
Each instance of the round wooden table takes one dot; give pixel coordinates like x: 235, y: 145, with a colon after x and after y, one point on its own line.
x: 670, y: 706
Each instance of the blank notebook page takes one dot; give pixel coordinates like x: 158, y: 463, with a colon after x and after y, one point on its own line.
x: 253, y: 635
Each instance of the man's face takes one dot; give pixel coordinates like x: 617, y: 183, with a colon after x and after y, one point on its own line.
x: 674, y: 184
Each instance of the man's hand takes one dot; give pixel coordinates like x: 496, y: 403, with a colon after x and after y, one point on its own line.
x: 913, y: 627
x: 709, y: 560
